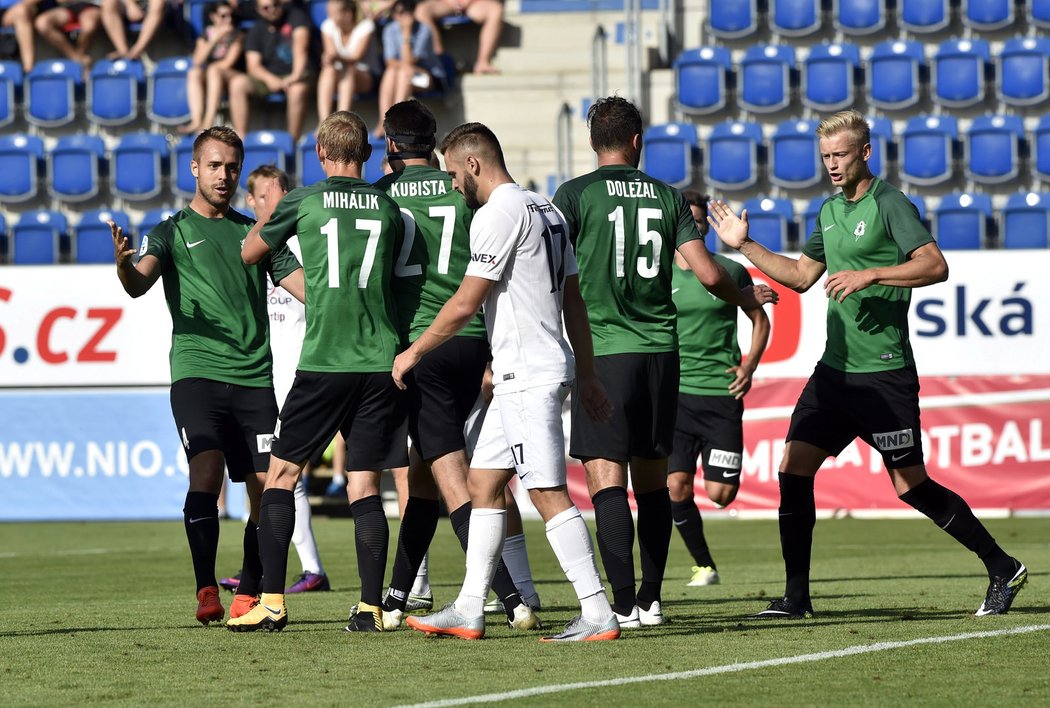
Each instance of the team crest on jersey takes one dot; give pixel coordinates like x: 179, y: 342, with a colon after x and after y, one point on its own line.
x: 144, y: 246
x: 859, y: 231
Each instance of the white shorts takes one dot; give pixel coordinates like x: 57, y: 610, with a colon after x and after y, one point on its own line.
x: 523, y: 430
x: 472, y: 426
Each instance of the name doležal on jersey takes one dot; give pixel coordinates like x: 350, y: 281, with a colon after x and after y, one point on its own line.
x: 422, y: 188
x: 634, y: 190
x: 350, y: 200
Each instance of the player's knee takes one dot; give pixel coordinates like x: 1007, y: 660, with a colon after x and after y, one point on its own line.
x: 680, y: 486
x: 722, y: 494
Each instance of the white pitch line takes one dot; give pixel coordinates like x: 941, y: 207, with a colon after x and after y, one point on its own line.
x: 726, y: 669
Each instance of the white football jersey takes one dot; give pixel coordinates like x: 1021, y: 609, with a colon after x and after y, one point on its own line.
x: 287, y: 330
x: 520, y: 240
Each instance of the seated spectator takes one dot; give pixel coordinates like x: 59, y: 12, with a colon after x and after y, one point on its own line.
x: 412, y: 66
x: 20, y: 17
x: 278, y: 57
x: 487, y: 13
x: 350, y: 60
x: 56, y: 20
x: 217, y: 56
x: 114, y: 14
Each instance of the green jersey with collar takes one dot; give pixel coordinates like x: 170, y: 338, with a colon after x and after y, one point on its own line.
x: 625, y: 227
x: 434, y: 255
x: 707, y: 331
x: 868, y: 331
x: 220, y: 327
x: 348, y: 235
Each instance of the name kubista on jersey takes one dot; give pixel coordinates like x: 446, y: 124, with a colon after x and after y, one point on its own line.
x: 220, y: 328
x: 868, y: 331
x: 347, y: 235
x: 433, y: 257
x: 626, y: 226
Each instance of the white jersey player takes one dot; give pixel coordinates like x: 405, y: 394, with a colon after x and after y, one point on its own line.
x: 522, y: 270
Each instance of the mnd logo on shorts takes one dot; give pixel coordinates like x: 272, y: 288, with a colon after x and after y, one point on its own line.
x: 896, y: 440
x: 724, y: 458
x: 263, y: 442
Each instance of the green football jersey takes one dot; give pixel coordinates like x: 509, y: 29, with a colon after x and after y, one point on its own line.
x: 434, y: 255
x: 348, y: 232
x: 868, y: 331
x: 707, y: 331
x: 220, y: 328
x: 625, y: 227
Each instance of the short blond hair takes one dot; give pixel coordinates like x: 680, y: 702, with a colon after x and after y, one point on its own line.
x: 344, y: 138
x: 851, y: 121
x: 268, y: 172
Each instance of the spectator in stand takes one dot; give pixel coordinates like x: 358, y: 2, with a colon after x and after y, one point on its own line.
x: 350, y: 59
x: 412, y: 65
x: 55, y: 21
x: 115, y: 13
x: 20, y: 17
x: 218, y: 54
x: 487, y: 13
x: 279, y: 60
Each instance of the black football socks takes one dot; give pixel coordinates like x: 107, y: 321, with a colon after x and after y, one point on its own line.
x: 201, y: 518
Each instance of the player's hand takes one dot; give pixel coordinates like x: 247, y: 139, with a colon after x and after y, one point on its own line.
x: 845, y: 282
x: 594, y: 398
x: 758, y: 295
x: 271, y: 197
x: 487, y: 385
x: 122, y: 252
x: 732, y: 229
x: 403, y: 363
x: 741, y: 382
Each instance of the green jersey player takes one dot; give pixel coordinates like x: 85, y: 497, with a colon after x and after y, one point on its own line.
x: 870, y: 241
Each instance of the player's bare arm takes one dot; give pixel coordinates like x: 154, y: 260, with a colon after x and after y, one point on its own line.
x: 745, y: 370
x: 717, y: 281
x: 452, y: 318
x: 925, y: 266
x: 578, y: 329
x: 137, y: 278
x: 798, y: 274
x: 295, y: 284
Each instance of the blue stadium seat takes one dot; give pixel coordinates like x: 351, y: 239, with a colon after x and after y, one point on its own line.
x: 51, y: 91
x: 961, y: 221
x: 114, y: 91
x: 765, y: 78
x: 668, y: 152
x: 92, y: 238
x: 794, y: 18
x: 1026, y: 220
x: 987, y: 15
x: 881, y: 144
x: 3, y: 239
x: 150, y: 219
x: 319, y: 11
x: 895, y: 74
x: 196, y: 14
x: 923, y: 16
x: 795, y: 154
x: 11, y: 78
x: 960, y: 68
x: 992, y: 148
x: 1041, y: 149
x: 730, y: 19
x: 139, y: 164
x: 859, y: 17
x: 928, y: 148
x: 769, y: 221
x: 183, y: 182
x: 829, y: 75
x: 267, y: 147
x: 21, y: 160
x: 37, y: 238
x: 701, y: 76
x: 373, y: 169
x: 1022, y: 71
x: 732, y: 155
x: 808, y: 218
x: 1039, y: 13
x: 306, y: 157
x: 166, y: 102
x: 74, y: 167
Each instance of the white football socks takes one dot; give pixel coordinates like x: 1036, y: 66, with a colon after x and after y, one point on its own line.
x: 488, y: 528
x: 571, y: 541
x: 303, y: 534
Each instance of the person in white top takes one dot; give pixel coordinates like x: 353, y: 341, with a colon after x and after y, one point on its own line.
x: 350, y: 59
x: 524, y: 273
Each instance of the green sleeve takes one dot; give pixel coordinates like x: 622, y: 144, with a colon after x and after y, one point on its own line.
x: 283, y: 222
x: 157, y: 242
x: 283, y: 263
x: 814, y: 247
x: 686, y: 228
x: 902, y: 222
x: 566, y: 200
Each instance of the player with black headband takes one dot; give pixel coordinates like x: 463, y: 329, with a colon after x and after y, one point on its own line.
x: 446, y: 383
